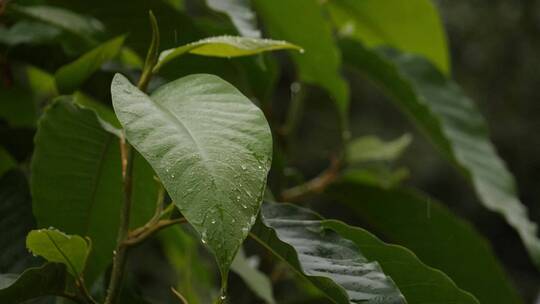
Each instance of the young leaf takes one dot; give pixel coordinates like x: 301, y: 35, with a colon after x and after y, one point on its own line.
x: 211, y: 148
x: 50, y: 279
x: 240, y: 13
x: 225, y: 46
x: 76, y: 171
x: 333, y: 264
x: 412, y: 26
x: 455, y: 126
x: 302, y: 22
x: 413, y: 220
x: 71, y: 76
x: 371, y: 148
x: 58, y: 247
x: 259, y: 283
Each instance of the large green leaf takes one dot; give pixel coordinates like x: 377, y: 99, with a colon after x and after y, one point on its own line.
x: 412, y: 26
x: 71, y: 76
x: 333, y: 264
x: 418, y: 282
x: 259, y: 283
x: 241, y: 15
x: 15, y: 223
x: 76, y: 180
x: 225, y: 46
x: 453, y: 123
x: 439, y: 238
x: 211, y: 148
x: 50, y: 279
x: 58, y: 247
x: 302, y: 22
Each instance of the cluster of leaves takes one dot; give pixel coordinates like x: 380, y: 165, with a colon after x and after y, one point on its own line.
x: 164, y: 145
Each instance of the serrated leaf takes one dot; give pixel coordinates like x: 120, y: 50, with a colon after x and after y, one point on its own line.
x: 15, y: 223
x: 408, y: 218
x: 77, y: 184
x: 454, y: 124
x: 321, y: 63
x: 372, y: 148
x: 58, y: 247
x: 50, y: 279
x: 241, y: 15
x: 211, y: 148
x: 82, y: 26
x: 256, y: 280
x: 413, y: 26
x: 226, y: 47
x: 71, y: 76
x: 333, y: 264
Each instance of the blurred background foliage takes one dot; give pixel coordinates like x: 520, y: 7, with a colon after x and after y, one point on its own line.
x: 494, y: 50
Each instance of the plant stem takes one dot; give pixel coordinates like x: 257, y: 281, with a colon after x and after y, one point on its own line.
x: 135, y: 239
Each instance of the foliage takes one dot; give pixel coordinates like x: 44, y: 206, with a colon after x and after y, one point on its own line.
x: 180, y: 149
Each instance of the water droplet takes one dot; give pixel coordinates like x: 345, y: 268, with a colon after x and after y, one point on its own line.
x: 244, y: 206
x: 223, y: 297
x: 244, y: 167
x: 172, y: 175
x: 233, y: 221
x: 203, y: 237
x: 252, y: 220
x: 167, y: 170
x: 238, y: 198
x: 302, y: 51
x: 114, y: 252
x: 260, y: 167
x: 213, y: 221
x: 203, y: 241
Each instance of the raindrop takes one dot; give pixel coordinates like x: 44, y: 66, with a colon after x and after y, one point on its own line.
x: 244, y: 206
x: 203, y: 238
x: 223, y: 297
x: 302, y: 51
x: 203, y: 241
x: 233, y: 221
x: 213, y: 221
x: 244, y: 167
x: 172, y: 175
x: 238, y: 198
x: 260, y: 167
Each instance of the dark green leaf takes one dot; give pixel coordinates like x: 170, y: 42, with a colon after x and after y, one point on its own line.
x: 71, y: 76
x: 240, y: 13
x: 49, y: 279
x: 225, y: 46
x: 412, y: 26
x: 211, y: 148
x: 58, y: 247
x: 15, y: 223
x: 333, y: 264
x: 17, y: 107
x: 302, y: 22
x: 418, y: 282
x: 438, y: 237
x: 259, y: 283
x: 77, y: 184
x: 455, y: 125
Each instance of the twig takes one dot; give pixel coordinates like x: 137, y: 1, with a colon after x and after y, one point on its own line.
x: 136, y: 238
x: 316, y: 185
x: 179, y: 296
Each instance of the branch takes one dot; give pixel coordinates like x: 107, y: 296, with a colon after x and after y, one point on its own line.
x: 139, y: 235
x: 314, y: 186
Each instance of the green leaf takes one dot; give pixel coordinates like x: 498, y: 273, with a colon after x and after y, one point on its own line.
x: 418, y: 282
x: 241, y: 15
x: 104, y: 113
x: 225, y: 46
x: 211, y: 148
x: 77, y: 184
x: 82, y: 26
x: 50, y: 279
x: 454, y: 124
x: 302, y: 22
x: 333, y: 264
x: 437, y: 237
x: 71, y: 76
x: 17, y: 107
x: 15, y: 223
x: 28, y: 32
x: 372, y: 148
x: 7, y: 161
x: 413, y: 26
x: 58, y: 247
x: 257, y: 281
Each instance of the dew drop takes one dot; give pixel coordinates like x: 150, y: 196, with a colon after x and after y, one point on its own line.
x: 260, y: 167
x: 238, y: 198
x: 213, y: 221
x: 203, y: 241
x: 223, y: 297
x: 244, y: 167
x: 172, y: 175
x: 244, y: 206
